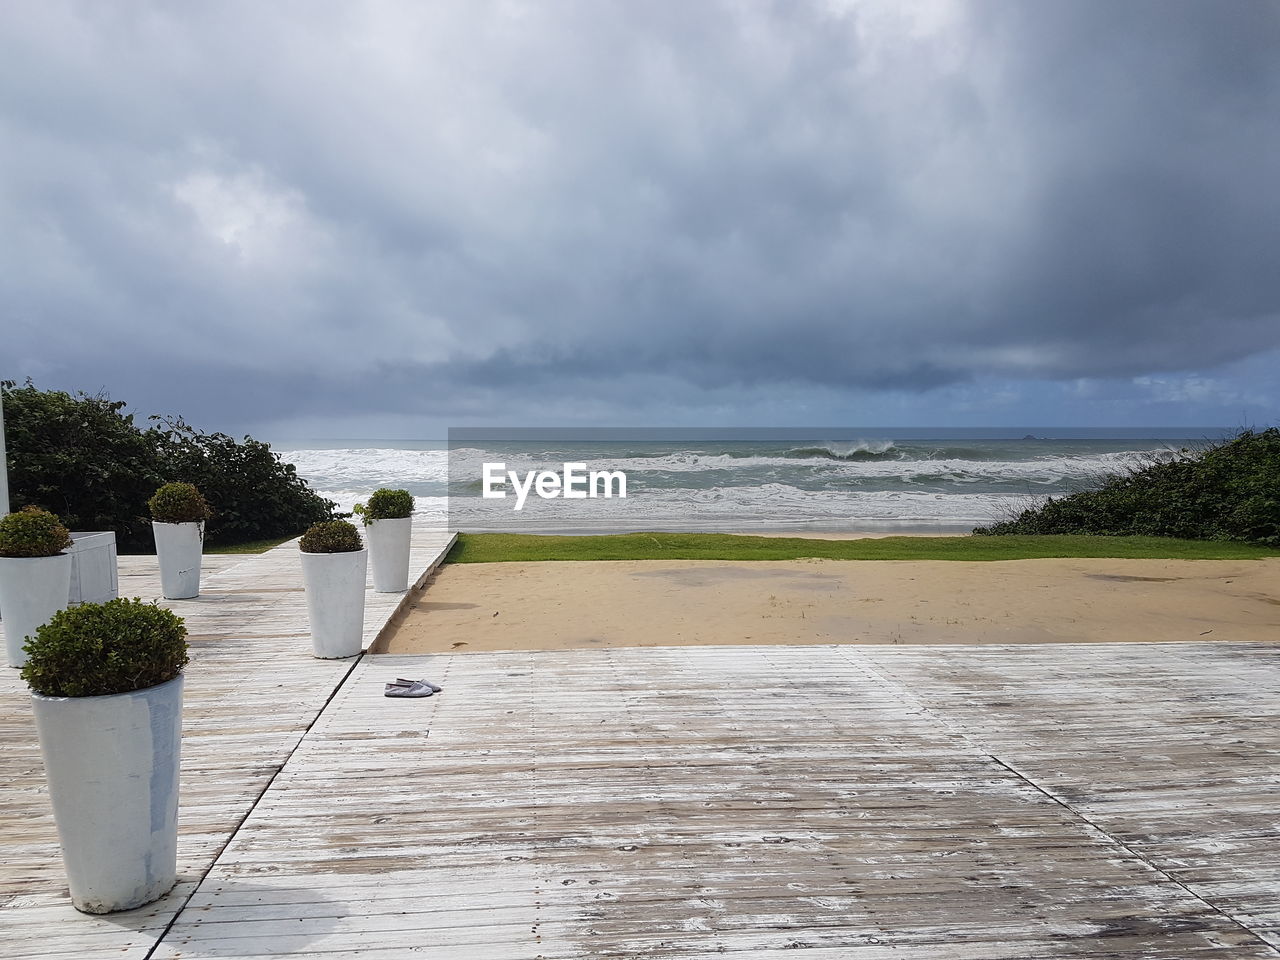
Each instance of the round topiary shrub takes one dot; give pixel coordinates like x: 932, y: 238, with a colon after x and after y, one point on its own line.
x: 32, y: 532
x: 97, y: 649
x: 331, y: 536
x: 386, y: 504
x: 178, y: 503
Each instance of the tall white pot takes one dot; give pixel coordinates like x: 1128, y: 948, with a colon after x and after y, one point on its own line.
x: 32, y: 589
x: 334, y: 584
x: 179, y: 547
x: 389, y: 553
x: 112, y: 764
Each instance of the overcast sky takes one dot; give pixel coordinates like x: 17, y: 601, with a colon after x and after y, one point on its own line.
x: 380, y: 219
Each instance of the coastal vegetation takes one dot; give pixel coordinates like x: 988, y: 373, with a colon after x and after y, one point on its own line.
x: 32, y: 532
x: 85, y: 458
x: 499, y: 547
x: 1227, y: 492
x: 98, y: 649
x: 385, y: 504
x: 178, y: 503
x: 331, y: 536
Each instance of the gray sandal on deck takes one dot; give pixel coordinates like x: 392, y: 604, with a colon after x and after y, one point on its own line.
x: 407, y: 688
x: 427, y: 683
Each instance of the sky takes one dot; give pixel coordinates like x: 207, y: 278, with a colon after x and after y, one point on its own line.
x: 378, y: 219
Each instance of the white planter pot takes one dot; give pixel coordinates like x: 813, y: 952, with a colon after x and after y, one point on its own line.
x: 32, y: 589
x: 179, y: 547
x: 335, y: 601
x: 95, y: 577
x: 112, y: 765
x: 389, y: 553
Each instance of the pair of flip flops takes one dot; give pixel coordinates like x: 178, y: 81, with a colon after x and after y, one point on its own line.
x: 401, y: 687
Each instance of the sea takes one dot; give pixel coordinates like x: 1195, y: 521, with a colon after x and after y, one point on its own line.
x: 818, y: 480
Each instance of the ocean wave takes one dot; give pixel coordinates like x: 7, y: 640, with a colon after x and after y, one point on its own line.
x: 1048, y: 469
x: 733, y: 507
x: 370, y: 468
x: 861, y: 450
x: 824, y: 483
x: 424, y: 472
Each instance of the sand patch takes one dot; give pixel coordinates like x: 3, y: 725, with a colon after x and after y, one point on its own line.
x: 522, y: 606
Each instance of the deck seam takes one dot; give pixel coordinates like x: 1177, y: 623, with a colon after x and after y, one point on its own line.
x: 1141, y: 858
x: 957, y: 728
x: 415, y: 589
x: 235, y: 832
x: 863, y: 828
x: 243, y: 635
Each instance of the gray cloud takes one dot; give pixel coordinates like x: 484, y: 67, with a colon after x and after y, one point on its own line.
x: 263, y: 212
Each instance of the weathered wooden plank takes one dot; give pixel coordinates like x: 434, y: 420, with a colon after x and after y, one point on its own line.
x: 252, y: 690
x: 944, y: 803
x: 1174, y: 755
x: 700, y: 801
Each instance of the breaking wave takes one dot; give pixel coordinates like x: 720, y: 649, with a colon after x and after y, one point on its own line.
x: 861, y: 450
x: 754, y: 485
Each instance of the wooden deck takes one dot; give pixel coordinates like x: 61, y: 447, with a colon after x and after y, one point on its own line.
x: 252, y: 692
x: 761, y: 803
x: 984, y: 803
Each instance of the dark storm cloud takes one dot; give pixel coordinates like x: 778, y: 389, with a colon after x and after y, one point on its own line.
x: 280, y: 210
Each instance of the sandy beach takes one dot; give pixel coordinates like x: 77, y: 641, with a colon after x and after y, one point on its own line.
x: 536, y: 606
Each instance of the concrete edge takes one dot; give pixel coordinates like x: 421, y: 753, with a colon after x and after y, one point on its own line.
x: 380, y: 642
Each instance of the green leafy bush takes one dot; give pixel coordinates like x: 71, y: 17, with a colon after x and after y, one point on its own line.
x: 254, y: 494
x: 1227, y: 492
x: 85, y: 458
x: 386, y: 504
x: 331, y: 536
x: 97, y: 649
x: 32, y: 532
x: 178, y: 503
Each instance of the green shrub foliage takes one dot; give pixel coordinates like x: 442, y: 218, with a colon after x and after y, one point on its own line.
x: 83, y: 458
x: 1228, y: 492
x: 178, y: 503
x: 253, y: 494
x: 386, y: 504
x: 87, y: 460
x: 331, y: 536
x: 32, y: 532
x: 101, y: 648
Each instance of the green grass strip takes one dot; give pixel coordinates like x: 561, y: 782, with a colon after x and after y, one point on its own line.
x: 505, y: 547
x: 251, y: 546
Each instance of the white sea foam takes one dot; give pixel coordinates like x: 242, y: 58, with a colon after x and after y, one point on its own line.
x: 689, y: 489
x: 765, y: 505
x: 427, y: 509
x: 1041, y: 470
x: 368, y: 469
